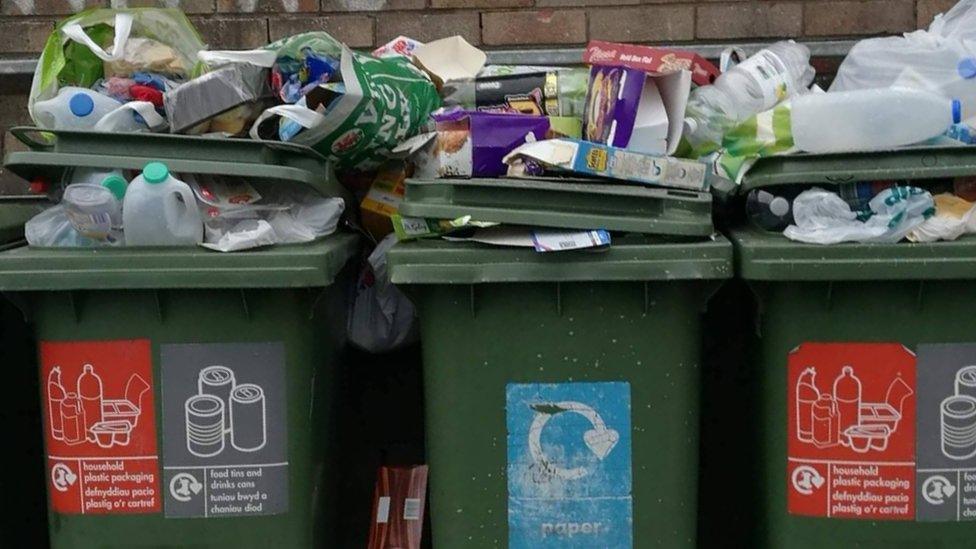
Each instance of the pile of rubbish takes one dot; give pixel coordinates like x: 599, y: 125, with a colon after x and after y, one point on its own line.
x: 630, y: 116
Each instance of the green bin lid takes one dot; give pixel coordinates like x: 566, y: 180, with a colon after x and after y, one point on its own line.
x: 53, y: 152
x: 14, y: 212
x: 765, y: 255
x: 573, y: 204
x: 314, y: 264
x: 629, y: 258
x: 834, y: 169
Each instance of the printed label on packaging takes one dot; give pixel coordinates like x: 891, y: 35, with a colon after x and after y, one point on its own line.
x: 100, y: 427
x: 770, y: 72
x: 225, y: 437
x: 544, y: 240
x: 569, y: 465
x: 946, y: 484
x: 851, y: 431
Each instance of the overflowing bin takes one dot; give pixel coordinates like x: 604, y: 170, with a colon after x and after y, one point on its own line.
x: 865, y: 422
x: 561, y: 389
x: 186, y: 394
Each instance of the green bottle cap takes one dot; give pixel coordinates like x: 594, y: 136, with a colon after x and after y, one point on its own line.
x: 155, y: 172
x: 115, y: 184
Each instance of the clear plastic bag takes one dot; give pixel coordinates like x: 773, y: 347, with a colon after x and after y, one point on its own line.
x: 381, y: 318
x: 823, y: 217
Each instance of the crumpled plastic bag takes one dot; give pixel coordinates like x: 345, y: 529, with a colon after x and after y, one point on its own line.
x: 823, y: 217
x: 953, y: 218
x: 940, y: 59
x: 52, y: 229
x: 381, y: 317
x: 304, y: 222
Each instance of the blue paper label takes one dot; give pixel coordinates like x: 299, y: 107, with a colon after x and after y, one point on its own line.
x: 569, y: 465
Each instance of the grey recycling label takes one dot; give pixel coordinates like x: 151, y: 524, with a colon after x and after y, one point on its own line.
x: 946, y: 443
x: 224, y: 430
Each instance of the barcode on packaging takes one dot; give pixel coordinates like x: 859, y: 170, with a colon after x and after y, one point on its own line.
x: 383, y: 511
x: 411, y: 509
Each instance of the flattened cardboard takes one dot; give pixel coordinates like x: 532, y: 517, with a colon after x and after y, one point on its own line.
x: 448, y: 59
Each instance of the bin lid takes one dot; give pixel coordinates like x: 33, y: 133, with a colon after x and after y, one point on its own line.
x: 14, y: 212
x: 314, y: 264
x: 570, y: 203
x: 53, y: 152
x: 834, y: 169
x: 765, y: 255
x: 629, y: 258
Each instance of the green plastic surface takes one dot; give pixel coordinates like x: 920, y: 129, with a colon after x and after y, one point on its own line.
x: 630, y: 313
x: 575, y: 203
x: 54, y: 153
x: 14, y: 212
x: 629, y: 258
x: 764, y: 255
x: 314, y: 264
x: 833, y: 169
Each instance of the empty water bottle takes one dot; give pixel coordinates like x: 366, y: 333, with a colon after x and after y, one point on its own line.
x: 73, y: 109
x: 160, y: 210
x: 753, y: 86
x: 870, y: 120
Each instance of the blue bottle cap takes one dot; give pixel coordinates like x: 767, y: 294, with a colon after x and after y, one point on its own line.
x: 81, y: 105
x: 967, y: 67
x: 956, y: 111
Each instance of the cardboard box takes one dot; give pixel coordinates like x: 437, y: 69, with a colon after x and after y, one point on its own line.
x: 594, y: 159
x: 635, y: 110
x: 383, y: 200
x: 650, y: 59
x: 398, y: 508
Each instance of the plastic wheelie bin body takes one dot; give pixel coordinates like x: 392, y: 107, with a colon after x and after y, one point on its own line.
x: 864, y: 430
x: 562, y: 389
x: 186, y: 394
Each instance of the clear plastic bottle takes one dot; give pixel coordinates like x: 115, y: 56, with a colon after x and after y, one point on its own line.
x: 753, y: 86
x: 73, y: 109
x: 95, y: 210
x: 870, y: 120
x: 160, y: 210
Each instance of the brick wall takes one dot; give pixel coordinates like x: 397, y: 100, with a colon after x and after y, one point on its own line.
x: 25, y: 24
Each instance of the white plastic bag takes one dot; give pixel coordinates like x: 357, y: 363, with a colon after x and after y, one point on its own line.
x: 823, y: 217
x: 305, y: 221
x: 942, y: 59
x: 953, y: 218
x: 382, y: 318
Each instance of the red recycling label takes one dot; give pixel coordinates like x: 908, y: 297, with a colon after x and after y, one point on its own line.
x: 851, y: 431
x: 100, y: 427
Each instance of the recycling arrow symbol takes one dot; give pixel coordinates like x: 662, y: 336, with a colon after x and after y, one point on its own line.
x: 184, y: 486
x: 937, y: 489
x: 806, y: 480
x: 62, y: 477
x: 600, y: 440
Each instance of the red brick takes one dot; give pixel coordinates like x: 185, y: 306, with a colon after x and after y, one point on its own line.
x: 356, y: 31
x: 852, y: 17
x: 188, y: 6
x: 534, y: 27
x: 750, y: 20
x: 643, y: 24
x: 926, y: 10
x: 480, y: 3
x: 47, y: 7
x: 232, y: 34
x: 555, y: 3
x: 372, y: 5
x: 24, y: 36
x: 428, y: 26
x: 267, y: 6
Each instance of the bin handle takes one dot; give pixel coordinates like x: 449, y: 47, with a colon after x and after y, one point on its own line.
x: 35, y: 138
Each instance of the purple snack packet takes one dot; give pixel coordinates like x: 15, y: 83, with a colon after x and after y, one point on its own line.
x: 491, y: 136
x: 611, y: 104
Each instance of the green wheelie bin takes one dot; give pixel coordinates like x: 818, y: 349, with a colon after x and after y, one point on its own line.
x: 187, y: 395
x: 561, y: 389
x: 863, y: 376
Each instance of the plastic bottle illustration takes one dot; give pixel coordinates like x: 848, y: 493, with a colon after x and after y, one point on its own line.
x: 90, y: 394
x: 753, y: 86
x: 825, y: 422
x: 807, y: 395
x: 73, y: 419
x: 847, y: 393
x: 55, y: 396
